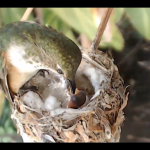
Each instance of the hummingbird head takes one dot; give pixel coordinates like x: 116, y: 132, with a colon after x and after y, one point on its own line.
x: 69, y: 74
x: 67, y: 57
x: 70, y: 77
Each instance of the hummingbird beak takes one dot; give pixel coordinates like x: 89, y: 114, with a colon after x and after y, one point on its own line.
x: 73, y: 85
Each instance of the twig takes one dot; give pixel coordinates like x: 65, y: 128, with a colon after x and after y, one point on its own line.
x: 101, y: 28
x: 38, y: 14
x: 26, y: 14
x: 94, y: 63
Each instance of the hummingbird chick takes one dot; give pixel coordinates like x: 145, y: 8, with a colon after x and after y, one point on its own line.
x: 77, y: 99
x: 27, y: 47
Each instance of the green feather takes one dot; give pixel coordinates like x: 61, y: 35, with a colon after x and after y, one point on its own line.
x: 43, y: 43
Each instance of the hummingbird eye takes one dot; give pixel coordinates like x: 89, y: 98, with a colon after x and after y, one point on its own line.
x: 59, y: 71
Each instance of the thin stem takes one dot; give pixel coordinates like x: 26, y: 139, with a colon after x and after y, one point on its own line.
x: 101, y: 28
x: 38, y: 14
x: 26, y: 14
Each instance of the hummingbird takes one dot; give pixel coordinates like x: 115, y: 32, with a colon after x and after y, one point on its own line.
x: 27, y: 47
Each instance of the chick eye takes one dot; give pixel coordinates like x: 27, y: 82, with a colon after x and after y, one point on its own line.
x: 59, y: 71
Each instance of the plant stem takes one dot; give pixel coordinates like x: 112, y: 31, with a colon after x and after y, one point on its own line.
x: 38, y: 14
x: 26, y: 14
x: 101, y: 28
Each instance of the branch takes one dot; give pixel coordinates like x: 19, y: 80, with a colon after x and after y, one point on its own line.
x: 26, y: 14
x: 38, y: 14
x: 101, y: 28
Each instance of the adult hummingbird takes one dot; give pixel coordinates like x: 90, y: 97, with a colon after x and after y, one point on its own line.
x: 27, y: 47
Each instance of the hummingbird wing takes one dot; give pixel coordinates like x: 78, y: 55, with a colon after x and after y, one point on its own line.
x: 4, y: 85
x: 42, y: 45
x: 3, y: 79
x: 45, y: 43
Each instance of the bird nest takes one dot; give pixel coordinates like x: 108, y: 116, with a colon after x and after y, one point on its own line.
x: 99, y: 119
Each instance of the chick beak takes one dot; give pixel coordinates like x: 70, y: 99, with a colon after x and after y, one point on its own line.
x: 73, y: 85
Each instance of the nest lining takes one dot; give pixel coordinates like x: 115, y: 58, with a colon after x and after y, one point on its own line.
x: 98, y: 120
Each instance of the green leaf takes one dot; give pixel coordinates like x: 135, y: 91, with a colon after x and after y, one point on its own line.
x: 12, y: 14
x: 7, y: 123
x: 117, y: 41
x: 6, y: 139
x: 53, y: 20
x: 140, y: 18
x: 2, y: 130
x: 81, y: 20
x: 10, y: 130
x: 66, y: 19
x: 2, y: 100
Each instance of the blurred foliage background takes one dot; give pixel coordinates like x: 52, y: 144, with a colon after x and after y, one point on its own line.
x: 80, y: 25
x: 85, y: 21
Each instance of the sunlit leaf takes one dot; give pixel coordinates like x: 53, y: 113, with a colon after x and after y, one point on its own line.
x: 78, y: 18
x: 140, y: 18
x: 112, y: 36
x: 117, y: 40
x: 82, y: 20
